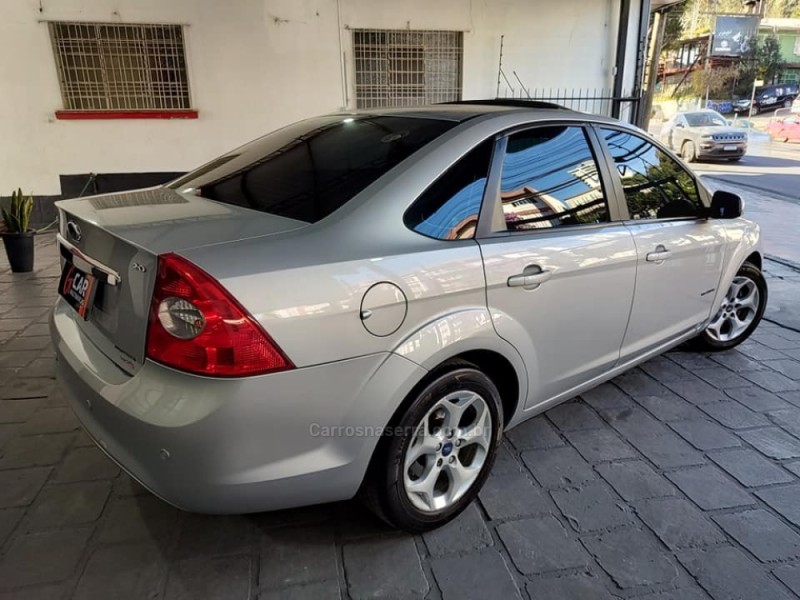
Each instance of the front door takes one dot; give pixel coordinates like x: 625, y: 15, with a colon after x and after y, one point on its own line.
x: 679, y: 253
x: 559, y: 273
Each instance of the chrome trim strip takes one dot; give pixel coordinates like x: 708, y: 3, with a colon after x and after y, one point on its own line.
x: 112, y: 276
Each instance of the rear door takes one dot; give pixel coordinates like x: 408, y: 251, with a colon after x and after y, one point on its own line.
x: 559, y: 271
x: 679, y: 253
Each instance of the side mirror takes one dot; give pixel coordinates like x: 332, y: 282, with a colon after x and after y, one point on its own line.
x: 725, y: 205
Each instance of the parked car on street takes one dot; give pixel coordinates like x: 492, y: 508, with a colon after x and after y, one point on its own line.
x: 704, y: 134
x: 784, y: 129
x: 770, y: 97
x: 363, y: 303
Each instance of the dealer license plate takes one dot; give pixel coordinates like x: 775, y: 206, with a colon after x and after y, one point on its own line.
x: 77, y: 288
x: 729, y: 148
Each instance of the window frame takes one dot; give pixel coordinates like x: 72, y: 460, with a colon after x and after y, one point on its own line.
x: 70, y: 113
x: 492, y: 192
x: 616, y: 180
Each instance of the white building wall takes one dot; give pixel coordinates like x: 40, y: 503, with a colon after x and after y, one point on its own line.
x: 255, y: 65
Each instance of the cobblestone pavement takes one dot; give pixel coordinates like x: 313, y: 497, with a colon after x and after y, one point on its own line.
x: 677, y: 480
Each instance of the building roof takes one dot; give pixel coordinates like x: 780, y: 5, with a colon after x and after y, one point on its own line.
x: 780, y: 25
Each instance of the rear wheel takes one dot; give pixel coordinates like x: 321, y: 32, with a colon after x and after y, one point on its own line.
x: 787, y: 104
x: 740, y: 312
x: 439, y: 453
x: 688, y: 152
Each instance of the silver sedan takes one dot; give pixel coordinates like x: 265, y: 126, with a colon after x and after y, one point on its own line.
x: 363, y: 303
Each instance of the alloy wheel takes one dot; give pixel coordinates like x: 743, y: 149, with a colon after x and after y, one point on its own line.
x: 738, y: 311
x: 448, y: 450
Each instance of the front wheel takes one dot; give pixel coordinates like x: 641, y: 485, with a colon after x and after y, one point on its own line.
x: 439, y: 453
x: 740, y: 312
x: 787, y: 104
x: 688, y: 152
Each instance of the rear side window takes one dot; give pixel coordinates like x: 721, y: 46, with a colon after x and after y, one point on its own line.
x: 448, y: 209
x: 656, y: 186
x: 308, y: 170
x: 550, y: 179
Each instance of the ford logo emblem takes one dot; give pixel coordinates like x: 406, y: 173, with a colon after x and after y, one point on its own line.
x: 74, y: 231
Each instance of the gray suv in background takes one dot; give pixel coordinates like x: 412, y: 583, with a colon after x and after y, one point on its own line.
x: 704, y: 134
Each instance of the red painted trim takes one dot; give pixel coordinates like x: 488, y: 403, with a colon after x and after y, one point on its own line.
x: 92, y: 115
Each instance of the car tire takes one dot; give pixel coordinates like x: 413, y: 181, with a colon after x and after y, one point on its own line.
x: 740, y: 313
x: 787, y: 104
x: 447, y: 467
x: 688, y: 152
x: 735, y: 159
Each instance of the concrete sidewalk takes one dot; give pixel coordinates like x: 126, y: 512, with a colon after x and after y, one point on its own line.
x: 678, y: 480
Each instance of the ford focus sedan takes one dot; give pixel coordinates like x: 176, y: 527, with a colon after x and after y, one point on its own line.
x: 362, y: 304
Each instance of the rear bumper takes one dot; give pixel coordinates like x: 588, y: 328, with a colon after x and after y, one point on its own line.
x: 233, y: 445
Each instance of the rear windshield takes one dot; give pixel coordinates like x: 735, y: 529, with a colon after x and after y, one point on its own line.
x: 308, y: 170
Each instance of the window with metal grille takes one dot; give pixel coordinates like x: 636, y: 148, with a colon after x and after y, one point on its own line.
x: 404, y: 67
x: 111, y: 66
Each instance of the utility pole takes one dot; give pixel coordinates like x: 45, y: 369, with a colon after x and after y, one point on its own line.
x: 653, y: 54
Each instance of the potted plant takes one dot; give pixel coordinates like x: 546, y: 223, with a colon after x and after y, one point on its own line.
x: 17, y: 235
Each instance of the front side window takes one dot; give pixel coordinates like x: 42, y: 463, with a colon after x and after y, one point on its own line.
x: 308, y: 170
x: 449, y: 209
x: 655, y: 185
x: 550, y: 179
x: 114, y: 66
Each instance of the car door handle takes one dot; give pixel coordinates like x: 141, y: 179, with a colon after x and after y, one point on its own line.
x: 528, y: 280
x: 660, y: 254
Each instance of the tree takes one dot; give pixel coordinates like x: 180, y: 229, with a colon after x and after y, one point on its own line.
x: 768, y: 59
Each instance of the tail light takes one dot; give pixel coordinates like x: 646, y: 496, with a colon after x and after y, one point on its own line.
x: 195, y: 325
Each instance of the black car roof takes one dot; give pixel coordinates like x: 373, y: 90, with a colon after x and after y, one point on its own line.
x: 464, y: 110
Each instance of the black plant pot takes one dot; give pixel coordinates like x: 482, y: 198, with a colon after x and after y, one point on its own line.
x: 19, y: 249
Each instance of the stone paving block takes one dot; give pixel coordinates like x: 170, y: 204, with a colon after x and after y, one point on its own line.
x: 791, y: 397
x: 683, y: 593
x: 772, y: 381
x: 633, y: 422
x: 46, y: 592
x: 606, y: 396
x: 759, y: 352
x: 696, y: 391
x: 789, y: 368
x: 577, y: 587
x: 86, y: 464
x: 705, y: 435
x: 354, y: 521
x: 42, y: 367
x: 9, y: 517
x: 556, y: 467
x: 669, y: 407
x: 209, y: 535
x: 465, y: 533
x: 722, y: 378
x: 297, y: 555
x: 37, y: 329
x: 757, y: 399
x: 784, y: 500
x: 725, y: 572
x: 710, y: 489
x: 592, y: 507
x: 663, y: 369
x: 20, y: 344
x: 790, y: 576
x: 67, y: 505
x: 210, y: 579
x: 572, y: 416
x: 632, y: 558
x: 51, y: 420
x: 514, y: 495
x: 734, y: 415
x: 635, y: 480
x: 773, y: 442
x: 638, y: 383
x: 668, y: 451
x: 129, y: 571
x: 541, y: 545
x: 387, y: 567
x: 125, y: 485
x: 20, y: 486
x: 7, y: 432
x: 534, y: 434
x: 481, y: 575
x: 678, y: 524
x: 315, y: 515
x: 775, y: 342
x: 26, y: 387
x: 737, y: 362
x: 328, y: 590
x: 137, y: 519
x: 596, y: 445
x: 764, y: 535
x: 691, y: 360
x: 17, y: 411
x: 34, y: 450
x: 505, y: 462
x: 749, y: 468
x: 788, y: 419
x: 42, y: 557
x: 13, y: 324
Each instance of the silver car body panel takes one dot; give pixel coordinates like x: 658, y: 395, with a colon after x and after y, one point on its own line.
x: 240, y: 445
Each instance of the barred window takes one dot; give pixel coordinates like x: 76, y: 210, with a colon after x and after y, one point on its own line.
x: 406, y: 67
x: 110, y: 66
